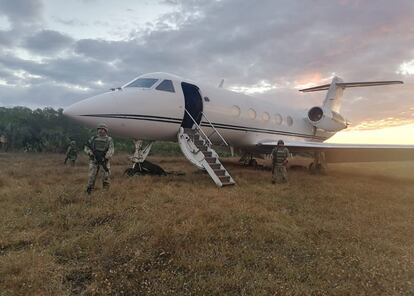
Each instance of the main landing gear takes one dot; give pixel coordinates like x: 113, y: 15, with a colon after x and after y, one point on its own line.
x: 319, y: 165
x: 248, y: 160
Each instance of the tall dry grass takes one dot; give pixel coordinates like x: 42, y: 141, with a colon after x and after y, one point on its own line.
x: 347, y: 233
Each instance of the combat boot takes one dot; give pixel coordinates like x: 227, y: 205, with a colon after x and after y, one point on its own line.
x: 89, y: 190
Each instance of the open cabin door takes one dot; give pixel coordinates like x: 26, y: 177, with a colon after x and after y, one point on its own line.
x: 193, y: 104
x: 194, y: 143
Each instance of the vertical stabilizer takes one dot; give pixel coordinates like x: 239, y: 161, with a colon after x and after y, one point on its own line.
x: 333, y: 99
x: 336, y: 89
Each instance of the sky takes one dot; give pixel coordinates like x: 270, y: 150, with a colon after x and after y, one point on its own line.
x: 54, y: 53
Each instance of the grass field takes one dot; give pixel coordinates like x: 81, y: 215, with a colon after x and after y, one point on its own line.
x: 348, y: 233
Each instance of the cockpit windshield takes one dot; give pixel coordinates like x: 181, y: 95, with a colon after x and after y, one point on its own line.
x: 143, y: 82
x: 166, y: 85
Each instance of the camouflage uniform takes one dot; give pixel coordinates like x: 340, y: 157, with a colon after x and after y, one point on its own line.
x: 71, y: 153
x: 3, y: 143
x: 279, y: 173
x: 99, y: 145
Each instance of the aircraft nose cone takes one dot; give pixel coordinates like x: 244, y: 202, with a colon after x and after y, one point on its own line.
x: 77, y: 110
x: 70, y: 111
x: 91, y: 110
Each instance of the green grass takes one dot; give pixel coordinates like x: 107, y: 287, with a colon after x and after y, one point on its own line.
x: 347, y: 233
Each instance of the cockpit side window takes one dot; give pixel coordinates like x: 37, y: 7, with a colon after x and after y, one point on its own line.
x: 143, y: 82
x: 166, y: 85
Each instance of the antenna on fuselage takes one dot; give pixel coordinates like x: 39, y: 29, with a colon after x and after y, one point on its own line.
x: 221, y: 84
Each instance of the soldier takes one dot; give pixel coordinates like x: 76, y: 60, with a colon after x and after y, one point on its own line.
x: 71, y: 153
x: 3, y: 143
x: 100, y: 149
x: 279, y: 155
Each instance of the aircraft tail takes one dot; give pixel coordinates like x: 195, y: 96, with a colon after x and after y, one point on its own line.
x: 333, y: 99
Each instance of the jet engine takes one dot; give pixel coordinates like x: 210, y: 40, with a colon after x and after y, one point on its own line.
x: 327, y: 120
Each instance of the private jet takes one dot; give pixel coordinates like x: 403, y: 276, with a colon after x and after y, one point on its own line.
x: 166, y: 107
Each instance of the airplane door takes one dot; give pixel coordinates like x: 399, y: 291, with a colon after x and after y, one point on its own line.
x: 193, y: 104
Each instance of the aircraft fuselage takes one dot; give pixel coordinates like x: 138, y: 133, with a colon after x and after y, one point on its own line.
x: 156, y: 113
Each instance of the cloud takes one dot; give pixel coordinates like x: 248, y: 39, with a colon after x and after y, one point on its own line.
x: 282, y: 45
x: 18, y: 11
x: 43, y: 94
x: 104, y: 50
x: 6, y: 37
x: 47, y: 42
x: 70, y: 21
x: 22, y: 16
x: 69, y: 70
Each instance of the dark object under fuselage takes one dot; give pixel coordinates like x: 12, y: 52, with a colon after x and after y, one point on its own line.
x: 145, y: 168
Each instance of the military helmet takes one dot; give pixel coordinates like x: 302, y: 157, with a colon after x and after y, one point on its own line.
x: 103, y: 126
x: 280, y: 142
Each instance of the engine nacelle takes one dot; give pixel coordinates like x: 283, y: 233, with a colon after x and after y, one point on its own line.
x: 326, y: 119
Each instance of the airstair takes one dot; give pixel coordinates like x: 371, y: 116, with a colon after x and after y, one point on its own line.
x: 197, y: 148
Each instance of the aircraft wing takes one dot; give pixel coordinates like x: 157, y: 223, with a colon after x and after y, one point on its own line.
x: 347, y: 152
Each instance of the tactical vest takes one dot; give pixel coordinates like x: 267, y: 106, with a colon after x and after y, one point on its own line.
x: 100, y: 144
x: 72, y: 151
x: 279, y: 155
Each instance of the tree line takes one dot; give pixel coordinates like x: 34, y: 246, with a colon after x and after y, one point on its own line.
x: 47, y: 130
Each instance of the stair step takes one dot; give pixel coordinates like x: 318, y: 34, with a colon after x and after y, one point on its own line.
x: 210, y: 162
x: 211, y: 159
x: 208, y: 153
x: 199, y: 143
x: 215, y: 166
x: 220, y: 172
x: 190, y: 132
x: 224, y: 179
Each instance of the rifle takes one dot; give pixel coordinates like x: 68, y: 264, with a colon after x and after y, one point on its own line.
x: 98, y: 157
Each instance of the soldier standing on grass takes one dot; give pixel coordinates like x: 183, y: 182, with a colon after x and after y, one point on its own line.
x: 279, y: 160
x: 71, y: 153
x: 3, y: 143
x: 100, y: 149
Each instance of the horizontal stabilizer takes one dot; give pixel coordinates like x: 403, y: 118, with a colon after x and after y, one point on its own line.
x: 351, y: 84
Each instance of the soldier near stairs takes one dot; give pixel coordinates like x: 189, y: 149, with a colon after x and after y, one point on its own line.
x: 71, y: 153
x: 100, y: 149
x: 279, y: 159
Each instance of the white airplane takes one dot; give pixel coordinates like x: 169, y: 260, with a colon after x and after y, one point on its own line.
x: 165, y: 107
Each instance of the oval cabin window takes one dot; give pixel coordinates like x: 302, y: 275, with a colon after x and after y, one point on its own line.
x: 252, y: 114
x: 289, y: 121
x: 278, y: 119
x: 266, y: 116
x: 235, y: 111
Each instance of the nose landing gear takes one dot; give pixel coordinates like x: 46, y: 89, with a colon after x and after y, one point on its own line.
x: 140, y: 166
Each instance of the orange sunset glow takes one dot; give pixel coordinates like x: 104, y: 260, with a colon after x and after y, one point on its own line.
x: 403, y: 134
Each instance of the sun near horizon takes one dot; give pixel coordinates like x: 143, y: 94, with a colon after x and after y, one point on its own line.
x: 403, y: 134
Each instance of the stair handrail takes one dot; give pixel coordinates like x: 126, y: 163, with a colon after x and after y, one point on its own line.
x: 214, y: 128
x: 199, y: 128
